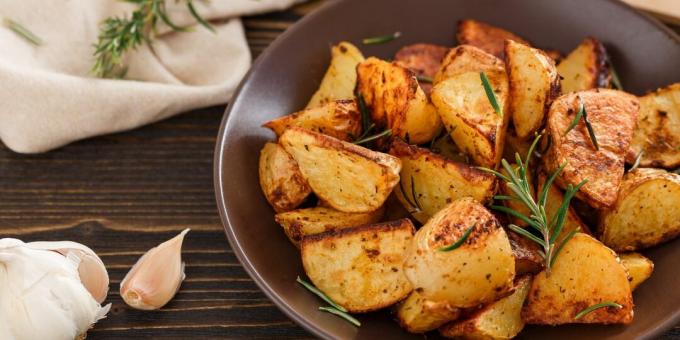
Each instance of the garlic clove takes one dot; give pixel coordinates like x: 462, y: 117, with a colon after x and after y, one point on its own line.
x: 91, y: 269
x: 155, y: 279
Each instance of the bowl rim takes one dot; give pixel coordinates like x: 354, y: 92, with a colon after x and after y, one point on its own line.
x: 218, y: 161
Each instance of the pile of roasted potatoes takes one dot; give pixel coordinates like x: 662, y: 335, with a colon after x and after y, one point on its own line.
x: 385, y: 167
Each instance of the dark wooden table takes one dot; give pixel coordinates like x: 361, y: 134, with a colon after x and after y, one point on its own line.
x: 123, y: 194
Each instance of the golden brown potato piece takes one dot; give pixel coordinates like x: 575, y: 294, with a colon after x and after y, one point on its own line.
x: 486, y: 37
x: 479, y: 271
x: 310, y: 221
x: 423, y: 59
x: 436, y: 181
x: 347, y: 177
x: 360, y: 268
x: 534, y: 84
x: 612, y: 115
x: 469, y: 117
x: 341, y: 77
x: 515, y: 204
x: 417, y: 314
x: 340, y: 119
x: 464, y: 59
x: 639, y: 268
x: 499, y: 320
x: 392, y: 94
x: 528, y: 260
x: 553, y: 203
x: 280, y: 178
x: 658, y: 129
x: 585, y: 67
x: 646, y: 212
x: 584, y: 274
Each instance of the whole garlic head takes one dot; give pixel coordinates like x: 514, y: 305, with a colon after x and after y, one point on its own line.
x: 41, y: 292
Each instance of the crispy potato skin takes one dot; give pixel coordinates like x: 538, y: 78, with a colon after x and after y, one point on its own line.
x: 498, y: 320
x: 437, y: 180
x: 423, y: 59
x: 340, y: 119
x: 585, y: 273
x: 528, y: 260
x: 466, y: 58
x: 658, y: 129
x: 553, y: 203
x: 612, y: 115
x: 417, y: 314
x: 479, y: 271
x: 341, y: 77
x: 282, y: 183
x: 585, y: 68
x: 347, y: 177
x: 489, y: 38
x: 396, y: 101
x: 639, y: 268
x: 299, y: 223
x: 646, y: 212
x: 534, y: 84
x: 360, y: 268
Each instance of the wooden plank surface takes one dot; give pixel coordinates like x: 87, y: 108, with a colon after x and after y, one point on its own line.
x: 125, y: 193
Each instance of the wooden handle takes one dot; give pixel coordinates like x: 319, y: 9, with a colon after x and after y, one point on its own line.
x: 666, y: 10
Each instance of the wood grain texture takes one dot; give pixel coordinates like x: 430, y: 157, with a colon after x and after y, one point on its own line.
x: 125, y: 193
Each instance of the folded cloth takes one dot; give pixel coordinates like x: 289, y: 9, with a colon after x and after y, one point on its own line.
x: 48, y: 97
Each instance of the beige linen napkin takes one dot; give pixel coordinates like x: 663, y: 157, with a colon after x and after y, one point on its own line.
x: 48, y: 97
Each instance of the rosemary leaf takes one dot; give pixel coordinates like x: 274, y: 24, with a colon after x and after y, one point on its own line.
x: 527, y: 234
x: 559, y: 248
x: 22, y: 32
x: 320, y: 294
x: 341, y: 314
x: 490, y: 94
x: 374, y: 137
x: 638, y: 158
x: 198, y: 17
x: 424, y: 79
x: 591, y: 132
x: 365, y: 116
x: 460, y: 241
x: 381, y: 39
x: 595, y: 307
x: 403, y: 194
x: 616, y: 81
x: 577, y: 118
x: 414, y: 194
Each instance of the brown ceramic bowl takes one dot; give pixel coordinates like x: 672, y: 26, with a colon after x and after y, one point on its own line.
x: 646, y: 55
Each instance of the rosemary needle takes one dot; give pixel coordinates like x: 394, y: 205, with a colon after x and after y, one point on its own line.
x: 591, y: 132
x: 460, y: 241
x: 490, y: 94
x: 23, y: 32
x: 424, y: 79
x: 577, y: 118
x: 320, y: 294
x: 341, y: 314
x: 595, y: 307
x: 381, y: 39
x: 374, y: 137
x: 636, y: 164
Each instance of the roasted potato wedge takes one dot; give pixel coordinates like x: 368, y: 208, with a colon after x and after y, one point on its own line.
x: 340, y: 119
x: 585, y: 273
x: 515, y: 204
x: 612, y: 115
x: 360, y: 268
x: 417, y: 314
x: 646, y: 212
x: 585, y: 68
x: 552, y: 205
x: 658, y: 129
x: 499, y: 320
x: 534, y: 84
x: 639, y: 268
x: 479, y: 271
x: 347, y: 177
x: 310, y: 221
x: 489, y: 38
x: 469, y: 117
x: 282, y: 183
x: 341, y: 77
x: 396, y: 101
x: 464, y: 59
x: 527, y: 255
x: 429, y: 181
x: 423, y: 59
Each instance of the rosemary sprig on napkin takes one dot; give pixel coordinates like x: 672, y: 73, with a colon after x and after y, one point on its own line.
x: 117, y: 36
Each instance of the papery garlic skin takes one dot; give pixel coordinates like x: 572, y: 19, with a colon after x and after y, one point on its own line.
x: 155, y: 279
x: 41, y: 295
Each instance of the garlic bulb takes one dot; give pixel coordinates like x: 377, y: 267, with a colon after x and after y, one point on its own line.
x: 41, y: 292
x: 155, y: 279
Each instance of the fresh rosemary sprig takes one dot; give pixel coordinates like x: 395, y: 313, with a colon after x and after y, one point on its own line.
x: 119, y: 35
x: 549, y: 229
x: 595, y: 307
x: 363, y: 140
x: 577, y: 118
x: 22, y: 32
x: 490, y: 94
x: 415, y: 205
x: 638, y: 158
x: 334, y: 308
x: 424, y: 79
x: 460, y: 241
x: 381, y: 39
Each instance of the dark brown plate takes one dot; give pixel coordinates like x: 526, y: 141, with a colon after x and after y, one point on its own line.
x: 645, y: 53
